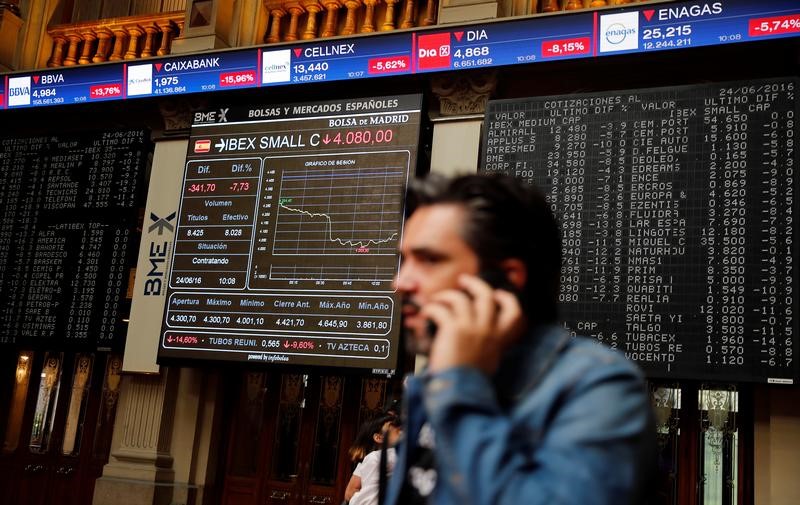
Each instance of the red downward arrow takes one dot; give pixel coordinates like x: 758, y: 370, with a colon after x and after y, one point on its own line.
x: 458, y: 35
x: 648, y: 14
x: 297, y: 52
x: 36, y: 79
x: 158, y: 67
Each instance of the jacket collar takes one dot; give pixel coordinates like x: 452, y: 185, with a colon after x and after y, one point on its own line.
x: 526, y: 363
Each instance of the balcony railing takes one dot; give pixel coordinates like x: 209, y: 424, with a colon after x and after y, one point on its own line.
x: 361, y: 16
x: 126, y: 38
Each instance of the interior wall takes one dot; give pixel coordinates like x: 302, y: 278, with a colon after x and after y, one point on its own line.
x: 777, y: 445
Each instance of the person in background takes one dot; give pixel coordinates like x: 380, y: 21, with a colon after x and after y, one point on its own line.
x: 363, y: 487
x: 511, y: 409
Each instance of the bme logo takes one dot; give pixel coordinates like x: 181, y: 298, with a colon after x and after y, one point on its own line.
x: 434, y: 51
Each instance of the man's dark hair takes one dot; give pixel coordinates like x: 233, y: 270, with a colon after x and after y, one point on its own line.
x: 506, y: 218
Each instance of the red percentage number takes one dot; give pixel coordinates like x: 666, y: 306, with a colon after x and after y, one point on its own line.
x: 388, y: 65
x: 774, y: 26
x: 565, y: 47
x: 105, y: 91
x: 242, y: 78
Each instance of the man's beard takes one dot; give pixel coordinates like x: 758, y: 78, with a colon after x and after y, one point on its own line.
x: 418, y: 340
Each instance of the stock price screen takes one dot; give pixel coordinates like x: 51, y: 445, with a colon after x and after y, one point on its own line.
x: 286, y: 245
x: 677, y: 208
x: 68, y: 207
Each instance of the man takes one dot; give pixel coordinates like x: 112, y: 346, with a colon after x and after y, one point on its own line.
x: 511, y: 409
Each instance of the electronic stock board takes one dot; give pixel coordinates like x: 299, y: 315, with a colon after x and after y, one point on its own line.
x: 68, y: 213
x: 644, y: 28
x: 286, y: 244
x: 677, y: 215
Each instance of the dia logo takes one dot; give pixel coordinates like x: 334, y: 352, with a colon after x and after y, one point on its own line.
x: 434, y: 51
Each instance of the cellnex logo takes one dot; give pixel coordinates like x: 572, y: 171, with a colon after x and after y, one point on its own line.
x: 434, y: 51
x: 19, y: 91
x: 619, y: 32
x: 275, y: 66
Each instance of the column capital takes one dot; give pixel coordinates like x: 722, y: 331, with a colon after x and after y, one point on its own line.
x: 460, y: 94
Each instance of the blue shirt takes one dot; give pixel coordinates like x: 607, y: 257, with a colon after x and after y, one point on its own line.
x: 564, y: 421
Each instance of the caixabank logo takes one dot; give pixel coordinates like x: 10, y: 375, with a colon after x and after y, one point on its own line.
x: 619, y: 32
x: 433, y: 51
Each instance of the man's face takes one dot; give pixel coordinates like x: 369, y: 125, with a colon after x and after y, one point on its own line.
x: 434, y: 255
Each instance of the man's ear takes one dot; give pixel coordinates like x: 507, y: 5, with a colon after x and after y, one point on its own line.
x: 516, y: 272
x: 377, y: 438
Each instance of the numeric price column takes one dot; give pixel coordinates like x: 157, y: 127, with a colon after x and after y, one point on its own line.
x: 215, y: 227
x: 775, y: 323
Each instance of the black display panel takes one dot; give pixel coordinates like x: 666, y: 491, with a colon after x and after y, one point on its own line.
x: 677, y: 210
x: 69, y: 208
x: 286, y: 245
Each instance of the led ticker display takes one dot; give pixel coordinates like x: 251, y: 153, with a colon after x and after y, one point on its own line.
x: 491, y: 45
x: 286, y: 243
x: 65, y: 86
x: 606, y: 32
x: 695, y: 24
x: 69, y: 207
x: 677, y: 213
x: 339, y: 60
x: 194, y: 74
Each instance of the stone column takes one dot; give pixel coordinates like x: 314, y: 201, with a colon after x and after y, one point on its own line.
x: 167, y: 32
x: 409, y: 14
x: 457, y: 122
x: 150, y: 40
x: 388, y: 20
x: 276, y: 12
x: 369, y: 17
x: 57, y: 59
x: 313, y: 7
x: 350, y: 21
x: 119, y: 43
x: 10, y: 24
x: 295, y: 11
x: 165, y: 441
x: 133, y: 45
x: 72, y: 52
x: 104, y: 36
x: 331, y: 17
x: 139, y: 469
x: 88, y: 44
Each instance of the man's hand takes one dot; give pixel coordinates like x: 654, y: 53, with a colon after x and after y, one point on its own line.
x: 475, y: 325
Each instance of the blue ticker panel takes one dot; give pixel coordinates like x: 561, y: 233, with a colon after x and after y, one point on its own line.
x: 65, y: 86
x: 606, y: 32
x: 338, y: 60
x: 193, y: 74
x: 510, y: 43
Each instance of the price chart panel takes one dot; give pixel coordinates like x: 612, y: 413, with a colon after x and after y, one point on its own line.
x: 286, y: 246
x: 677, y: 209
x: 69, y: 206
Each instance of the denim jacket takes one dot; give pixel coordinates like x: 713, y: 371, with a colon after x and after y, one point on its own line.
x: 564, y: 421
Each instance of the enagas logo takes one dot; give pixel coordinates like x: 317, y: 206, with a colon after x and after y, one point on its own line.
x: 434, y: 51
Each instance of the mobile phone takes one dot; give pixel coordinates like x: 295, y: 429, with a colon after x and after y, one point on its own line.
x: 495, y: 277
